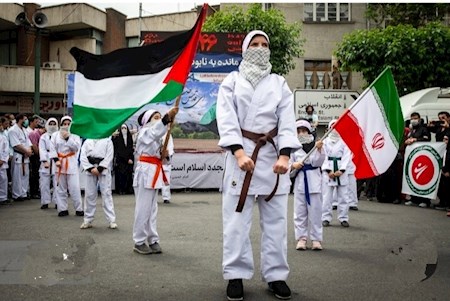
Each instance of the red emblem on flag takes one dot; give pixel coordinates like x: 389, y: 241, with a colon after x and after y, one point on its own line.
x: 377, y: 141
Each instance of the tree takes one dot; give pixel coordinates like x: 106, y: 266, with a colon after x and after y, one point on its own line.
x: 285, y: 41
x: 418, y: 56
x: 406, y: 13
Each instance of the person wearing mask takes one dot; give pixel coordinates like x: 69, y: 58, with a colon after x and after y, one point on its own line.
x: 418, y: 133
x: 124, y: 160
x: 4, y: 157
x: 440, y: 127
x: 6, y: 127
x: 256, y: 121
x: 21, y: 144
x: 47, y: 169
x: 148, y: 177
x: 67, y: 146
x: 335, y: 177
x: 307, y: 189
x: 96, y: 160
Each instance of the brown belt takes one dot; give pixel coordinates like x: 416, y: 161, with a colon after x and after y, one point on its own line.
x: 260, y: 140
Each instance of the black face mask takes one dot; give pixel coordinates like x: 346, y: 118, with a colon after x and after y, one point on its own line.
x: 308, y: 147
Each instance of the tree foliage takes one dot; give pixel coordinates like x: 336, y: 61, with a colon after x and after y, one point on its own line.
x: 285, y: 41
x: 406, y: 13
x: 419, y: 57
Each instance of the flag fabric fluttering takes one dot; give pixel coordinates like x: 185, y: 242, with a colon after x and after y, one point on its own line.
x: 373, y: 126
x: 110, y: 88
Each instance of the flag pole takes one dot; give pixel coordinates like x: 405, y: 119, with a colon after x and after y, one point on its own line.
x: 169, y: 130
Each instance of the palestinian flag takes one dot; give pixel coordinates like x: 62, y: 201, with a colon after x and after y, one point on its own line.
x: 372, y: 127
x: 110, y: 88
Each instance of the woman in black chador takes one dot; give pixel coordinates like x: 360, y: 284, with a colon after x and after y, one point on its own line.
x: 123, y: 153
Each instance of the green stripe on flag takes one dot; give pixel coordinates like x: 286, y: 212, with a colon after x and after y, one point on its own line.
x: 96, y: 123
x: 386, y: 93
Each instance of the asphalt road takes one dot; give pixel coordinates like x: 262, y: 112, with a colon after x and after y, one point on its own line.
x: 390, y: 252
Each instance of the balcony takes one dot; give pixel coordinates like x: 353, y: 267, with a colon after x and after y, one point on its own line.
x: 20, y: 79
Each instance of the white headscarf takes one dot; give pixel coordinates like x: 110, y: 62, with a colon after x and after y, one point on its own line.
x: 147, y: 116
x: 255, y: 63
x: 51, y: 129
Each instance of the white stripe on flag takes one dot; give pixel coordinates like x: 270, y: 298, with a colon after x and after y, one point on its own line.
x: 118, y: 92
x: 371, y: 121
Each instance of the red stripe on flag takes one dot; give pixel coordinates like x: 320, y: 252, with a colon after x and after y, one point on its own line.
x: 347, y: 126
x: 182, y: 66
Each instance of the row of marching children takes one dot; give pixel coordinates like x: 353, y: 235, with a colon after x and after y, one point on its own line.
x: 322, y: 182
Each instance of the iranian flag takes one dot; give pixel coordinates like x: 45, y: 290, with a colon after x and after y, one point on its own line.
x: 110, y: 88
x: 372, y: 127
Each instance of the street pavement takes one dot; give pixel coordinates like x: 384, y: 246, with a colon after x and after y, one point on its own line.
x: 389, y: 252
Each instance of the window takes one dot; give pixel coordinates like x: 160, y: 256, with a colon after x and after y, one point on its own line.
x: 8, y: 48
x: 326, y: 12
x: 267, y: 6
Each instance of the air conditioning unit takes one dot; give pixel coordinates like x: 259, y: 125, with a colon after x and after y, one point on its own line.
x: 51, y: 65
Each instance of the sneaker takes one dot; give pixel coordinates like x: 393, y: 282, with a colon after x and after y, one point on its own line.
x: 301, y: 245
x: 354, y: 208
x: 112, y: 225
x: 325, y: 223
x: 142, y: 249
x: 280, y: 289
x: 408, y: 203
x: 63, y: 213
x: 448, y: 213
x: 316, y: 245
x: 85, y: 225
x: 439, y: 208
x: 423, y: 205
x: 156, y: 249
x: 79, y: 213
x: 166, y: 201
x: 44, y: 206
x: 235, y: 290
x: 345, y: 224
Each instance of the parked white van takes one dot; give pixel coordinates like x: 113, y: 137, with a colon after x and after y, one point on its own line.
x: 427, y: 102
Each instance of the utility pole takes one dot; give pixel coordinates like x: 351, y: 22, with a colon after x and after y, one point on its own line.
x: 37, y: 73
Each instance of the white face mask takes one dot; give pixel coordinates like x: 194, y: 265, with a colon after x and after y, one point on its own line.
x: 51, y: 129
x: 305, y: 138
x: 124, y: 132
x: 257, y: 55
x: 334, y: 136
x: 414, y: 122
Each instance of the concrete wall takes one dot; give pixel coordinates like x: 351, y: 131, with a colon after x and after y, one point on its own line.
x: 75, y: 16
x: 21, y: 79
x: 169, y: 22
x: 65, y: 58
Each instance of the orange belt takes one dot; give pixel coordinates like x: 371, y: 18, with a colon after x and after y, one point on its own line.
x: 158, y: 162
x: 64, y: 162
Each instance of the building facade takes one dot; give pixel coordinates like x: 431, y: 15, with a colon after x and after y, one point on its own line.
x: 98, y: 31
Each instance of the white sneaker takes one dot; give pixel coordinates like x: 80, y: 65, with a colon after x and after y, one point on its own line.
x: 85, y: 225
x: 408, y: 203
x: 316, y: 245
x: 112, y: 225
x: 301, y: 245
x: 423, y: 205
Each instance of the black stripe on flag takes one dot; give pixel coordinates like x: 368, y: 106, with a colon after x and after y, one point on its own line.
x: 147, y: 59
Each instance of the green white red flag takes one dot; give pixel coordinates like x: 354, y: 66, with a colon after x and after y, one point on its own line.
x: 373, y: 126
x: 110, y: 88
